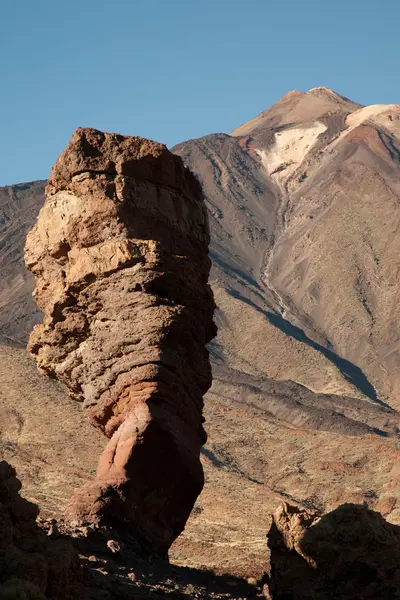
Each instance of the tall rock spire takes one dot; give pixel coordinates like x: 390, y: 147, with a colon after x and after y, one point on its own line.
x: 120, y: 257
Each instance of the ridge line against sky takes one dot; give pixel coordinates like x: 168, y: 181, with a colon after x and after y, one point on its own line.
x: 176, y: 70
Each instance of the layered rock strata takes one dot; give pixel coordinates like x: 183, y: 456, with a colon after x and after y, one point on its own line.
x: 120, y: 257
x: 347, y: 554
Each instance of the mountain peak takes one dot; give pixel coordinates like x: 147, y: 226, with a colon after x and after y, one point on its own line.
x: 291, y: 95
x: 299, y: 107
x: 321, y: 88
x: 325, y: 92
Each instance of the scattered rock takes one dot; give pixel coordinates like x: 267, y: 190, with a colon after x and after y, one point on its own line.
x: 189, y: 590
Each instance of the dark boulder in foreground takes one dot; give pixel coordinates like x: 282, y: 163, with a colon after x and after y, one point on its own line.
x: 31, y: 564
x: 351, y: 553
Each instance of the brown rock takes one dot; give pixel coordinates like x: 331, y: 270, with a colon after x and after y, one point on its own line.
x: 347, y: 554
x: 113, y: 546
x: 28, y: 557
x: 119, y: 253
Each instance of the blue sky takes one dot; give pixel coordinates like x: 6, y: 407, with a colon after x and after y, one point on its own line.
x: 172, y: 70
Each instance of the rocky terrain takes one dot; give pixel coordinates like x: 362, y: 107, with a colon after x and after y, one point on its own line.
x: 303, y: 209
x: 31, y: 564
x: 42, y: 559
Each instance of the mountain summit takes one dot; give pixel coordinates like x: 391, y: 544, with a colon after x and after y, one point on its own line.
x: 297, y: 107
x: 312, y: 185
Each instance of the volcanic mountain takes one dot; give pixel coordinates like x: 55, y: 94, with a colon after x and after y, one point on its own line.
x: 304, y: 209
x: 303, y: 202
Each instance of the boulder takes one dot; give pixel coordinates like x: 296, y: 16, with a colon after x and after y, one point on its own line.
x: 347, y: 554
x: 31, y: 564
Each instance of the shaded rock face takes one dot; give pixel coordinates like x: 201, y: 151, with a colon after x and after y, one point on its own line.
x: 119, y: 253
x: 51, y: 567
x: 349, y: 553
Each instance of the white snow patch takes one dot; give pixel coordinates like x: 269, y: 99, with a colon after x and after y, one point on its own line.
x: 290, y: 149
x: 380, y: 114
x: 368, y: 112
x: 321, y: 88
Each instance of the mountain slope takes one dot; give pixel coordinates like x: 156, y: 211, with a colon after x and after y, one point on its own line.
x: 326, y: 263
x: 19, y: 207
x: 244, y: 210
x: 304, y: 212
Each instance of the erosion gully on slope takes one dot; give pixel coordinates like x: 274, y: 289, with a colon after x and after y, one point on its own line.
x: 350, y: 371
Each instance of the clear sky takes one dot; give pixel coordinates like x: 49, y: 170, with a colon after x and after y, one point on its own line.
x: 172, y: 70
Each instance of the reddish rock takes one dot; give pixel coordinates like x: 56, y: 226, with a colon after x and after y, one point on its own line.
x: 347, y: 554
x: 120, y: 257
x: 386, y: 505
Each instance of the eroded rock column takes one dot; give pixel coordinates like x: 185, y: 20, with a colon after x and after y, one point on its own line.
x: 120, y: 257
